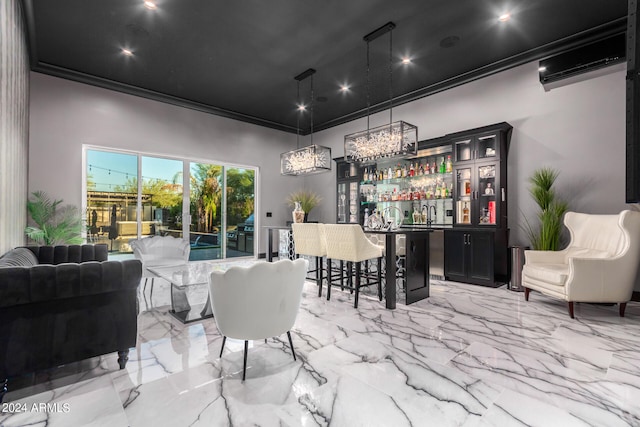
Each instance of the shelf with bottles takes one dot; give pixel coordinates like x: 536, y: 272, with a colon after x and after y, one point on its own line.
x: 412, y: 169
x: 438, y: 189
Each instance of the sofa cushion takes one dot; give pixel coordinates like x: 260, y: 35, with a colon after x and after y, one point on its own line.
x: 555, y: 274
x: 19, y: 257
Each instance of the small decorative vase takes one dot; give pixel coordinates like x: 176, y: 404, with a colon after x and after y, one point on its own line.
x: 298, y: 213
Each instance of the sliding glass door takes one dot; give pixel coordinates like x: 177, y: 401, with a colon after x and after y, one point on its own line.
x: 240, y: 203
x: 130, y: 195
x: 205, y: 209
x: 112, y: 199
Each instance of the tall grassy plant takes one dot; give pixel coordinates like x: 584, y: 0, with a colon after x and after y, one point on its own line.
x: 54, y: 224
x: 546, y: 236
x: 308, y: 199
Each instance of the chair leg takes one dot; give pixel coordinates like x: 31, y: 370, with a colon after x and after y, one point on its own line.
x: 342, y: 275
x: 293, y: 352
x: 144, y: 288
x: 571, y: 309
x: 123, y: 356
x: 623, y: 306
x: 244, y: 365
x: 526, y: 294
x: 319, y: 273
x: 379, y: 278
x: 358, y: 277
x: 224, y: 340
x: 151, y: 293
x: 329, y: 278
x: 4, y: 389
x: 350, y: 276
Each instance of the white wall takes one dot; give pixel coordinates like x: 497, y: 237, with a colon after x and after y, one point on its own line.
x: 578, y: 129
x: 66, y: 114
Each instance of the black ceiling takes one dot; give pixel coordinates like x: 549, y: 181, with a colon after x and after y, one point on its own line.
x: 239, y: 58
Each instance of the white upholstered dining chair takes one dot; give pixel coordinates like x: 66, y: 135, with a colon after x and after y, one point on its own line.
x: 599, y: 265
x: 257, y: 302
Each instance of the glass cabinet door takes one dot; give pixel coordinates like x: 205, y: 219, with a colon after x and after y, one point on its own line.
x: 463, y: 195
x: 486, y: 195
x: 342, y: 202
x: 487, y: 147
x: 462, y: 150
x: 353, y: 202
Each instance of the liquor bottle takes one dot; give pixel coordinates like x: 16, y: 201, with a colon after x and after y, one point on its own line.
x: 389, y: 173
x: 443, y: 166
x: 412, y: 170
x: 449, y: 164
x: 421, y: 169
x: 465, y: 213
x: 433, y: 167
x: 394, y: 195
x: 416, y: 216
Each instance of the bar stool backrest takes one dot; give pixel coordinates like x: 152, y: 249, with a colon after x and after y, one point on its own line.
x: 309, y: 239
x: 348, y: 242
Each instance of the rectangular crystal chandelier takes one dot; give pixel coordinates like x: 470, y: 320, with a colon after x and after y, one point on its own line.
x: 306, y: 161
x: 396, y: 139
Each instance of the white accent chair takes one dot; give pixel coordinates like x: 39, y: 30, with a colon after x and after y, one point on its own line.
x: 159, y: 251
x: 599, y: 265
x: 309, y: 240
x: 257, y: 302
x: 347, y: 242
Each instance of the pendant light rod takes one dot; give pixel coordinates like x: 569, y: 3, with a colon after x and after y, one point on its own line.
x: 379, y: 32
x: 303, y: 75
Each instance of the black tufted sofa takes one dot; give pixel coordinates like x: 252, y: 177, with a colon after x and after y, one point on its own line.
x: 63, y: 304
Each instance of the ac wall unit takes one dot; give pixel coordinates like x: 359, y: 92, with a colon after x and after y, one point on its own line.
x: 587, y: 58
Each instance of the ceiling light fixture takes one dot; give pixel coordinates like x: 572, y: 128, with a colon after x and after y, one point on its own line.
x: 397, y: 139
x: 313, y: 158
x: 541, y: 69
x: 150, y: 5
x: 127, y: 52
x: 504, y: 17
x: 406, y: 60
x: 344, y: 88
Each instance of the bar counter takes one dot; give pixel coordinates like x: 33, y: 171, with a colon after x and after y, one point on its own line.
x: 416, y: 263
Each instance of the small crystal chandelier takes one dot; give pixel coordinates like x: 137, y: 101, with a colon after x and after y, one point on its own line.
x: 397, y: 139
x: 313, y: 158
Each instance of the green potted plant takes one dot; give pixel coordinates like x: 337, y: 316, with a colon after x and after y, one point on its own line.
x: 54, y: 224
x: 305, y: 199
x: 546, y: 236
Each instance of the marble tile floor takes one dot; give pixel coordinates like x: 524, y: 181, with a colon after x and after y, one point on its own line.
x: 466, y: 356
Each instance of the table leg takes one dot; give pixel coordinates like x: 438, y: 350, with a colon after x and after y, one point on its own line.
x: 270, y: 246
x: 207, y: 311
x: 179, y: 301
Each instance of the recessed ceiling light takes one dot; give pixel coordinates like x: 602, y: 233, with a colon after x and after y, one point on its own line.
x: 344, y: 88
x: 302, y: 108
x: 127, y: 52
x: 150, y: 5
x: 541, y: 69
x: 406, y: 60
x: 504, y: 17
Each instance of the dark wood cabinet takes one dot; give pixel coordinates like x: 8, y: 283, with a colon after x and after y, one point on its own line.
x: 469, y: 256
x: 476, y: 252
